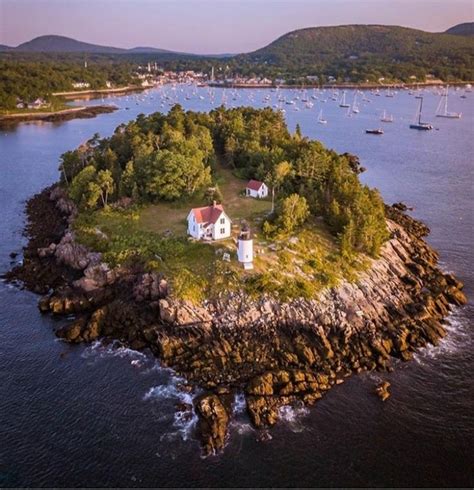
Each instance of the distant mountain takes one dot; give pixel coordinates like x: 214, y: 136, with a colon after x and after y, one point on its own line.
x: 318, y: 43
x: 141, y: 49
x: 4, y: 47
x: 466, y: 29
x: 61, y: 44
x: 354, y: 51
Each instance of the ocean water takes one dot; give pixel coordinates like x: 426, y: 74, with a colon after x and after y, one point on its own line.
x: 105, y: 416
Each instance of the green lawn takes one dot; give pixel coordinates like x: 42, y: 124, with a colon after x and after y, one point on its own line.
x: 291, y: 266
x: 170, y: 218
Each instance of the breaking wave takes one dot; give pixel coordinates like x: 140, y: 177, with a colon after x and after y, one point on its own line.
x: 183, y: 420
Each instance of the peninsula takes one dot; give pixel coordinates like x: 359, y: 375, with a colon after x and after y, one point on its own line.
x: 340, y: 283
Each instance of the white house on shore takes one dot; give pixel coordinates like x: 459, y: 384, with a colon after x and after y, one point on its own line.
x: 209, y: 223
x: 256, y: 189
x: 81, y: 84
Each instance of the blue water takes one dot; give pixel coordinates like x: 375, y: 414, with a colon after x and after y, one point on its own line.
x: 94, y: 416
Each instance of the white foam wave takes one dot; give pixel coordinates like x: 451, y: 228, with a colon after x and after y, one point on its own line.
x: 115, y: 349
x: 183, y: 421
x: 239, y: 405
x: 292, y: 416
x: 241, y: 427
x: 168, y: 391
x: 456, y: 340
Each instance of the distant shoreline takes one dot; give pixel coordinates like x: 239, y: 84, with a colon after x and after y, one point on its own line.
x: 360, y: 86
x: 61, y: 115
x: 85, y: 93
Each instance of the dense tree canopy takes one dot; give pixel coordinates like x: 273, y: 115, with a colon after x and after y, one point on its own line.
x: 170, y: 157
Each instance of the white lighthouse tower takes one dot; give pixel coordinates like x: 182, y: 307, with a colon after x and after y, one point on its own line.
x: 245, y: 247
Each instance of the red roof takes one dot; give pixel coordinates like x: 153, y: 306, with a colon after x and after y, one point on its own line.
x: 254, y: 185
x: 208, y: 214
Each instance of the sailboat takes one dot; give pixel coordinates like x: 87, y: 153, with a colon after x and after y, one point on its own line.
x: 386, y: 118
x: 343, y: 102
x: 355, y: 107
x: 442, y: 109
x: 321, y: 120
x: 422, y: 126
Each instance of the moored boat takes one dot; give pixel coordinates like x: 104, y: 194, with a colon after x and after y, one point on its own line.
x: 374, y: 131
x: 422, y: 126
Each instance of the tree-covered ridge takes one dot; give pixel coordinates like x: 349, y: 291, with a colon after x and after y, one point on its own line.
x: 464, y: 29
x: 28, y: 79
x: 361, y: 52
x: 172, y: 157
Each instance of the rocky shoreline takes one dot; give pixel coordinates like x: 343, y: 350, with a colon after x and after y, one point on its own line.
x: 64, y: 115
x: 276, y: 353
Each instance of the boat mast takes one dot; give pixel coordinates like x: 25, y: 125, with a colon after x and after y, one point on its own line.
x: 446, y: 101
x: 421, y: 108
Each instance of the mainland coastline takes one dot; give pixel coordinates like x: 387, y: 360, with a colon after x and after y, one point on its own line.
x: 55, y: 116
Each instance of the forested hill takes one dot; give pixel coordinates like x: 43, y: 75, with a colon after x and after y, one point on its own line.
x: 62, y: 44
x: 465, y: 29
x: 368, y: 50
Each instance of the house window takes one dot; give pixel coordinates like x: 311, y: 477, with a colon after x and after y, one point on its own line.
x: 222, y: 221
x: 222, y: 231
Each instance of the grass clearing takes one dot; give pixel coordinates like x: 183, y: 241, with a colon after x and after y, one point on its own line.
x: 287, y: 267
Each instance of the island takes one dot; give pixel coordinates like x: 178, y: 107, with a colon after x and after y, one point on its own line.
x: 247, y: 258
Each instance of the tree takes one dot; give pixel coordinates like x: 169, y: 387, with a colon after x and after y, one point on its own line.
x: 80, y: 190
x: 276, y: 177
x: 128, y: 180
x: 105, y: 182
x: 298, y: 133
x: 170, y: 175
x: 71, y: 164
x: 294, y: 212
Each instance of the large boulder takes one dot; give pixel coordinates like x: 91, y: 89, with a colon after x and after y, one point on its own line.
x: 213, y: 422
x: 183, y: 313
x: 72, y: 254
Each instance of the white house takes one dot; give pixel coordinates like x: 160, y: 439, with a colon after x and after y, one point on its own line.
x: 209, y: 223
x: 256, y: 189
x: 38, y: 104
x: 81, y: 84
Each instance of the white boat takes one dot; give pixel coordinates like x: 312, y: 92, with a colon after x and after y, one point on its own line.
x: 442, y: 109
x: 321, y: 120
x: 355, y: 107
x: 386, y: 118
x: 343, y: 102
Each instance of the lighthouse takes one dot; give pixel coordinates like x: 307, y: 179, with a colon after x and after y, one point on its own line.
x: 245, y: 247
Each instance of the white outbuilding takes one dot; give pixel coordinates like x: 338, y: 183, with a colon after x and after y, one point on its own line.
x: 256, y: 189
x: 209, y: 223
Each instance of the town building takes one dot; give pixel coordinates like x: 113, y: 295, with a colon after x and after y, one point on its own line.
x: 38, y: 103
x: 81, y: 84
x: 209, y: 223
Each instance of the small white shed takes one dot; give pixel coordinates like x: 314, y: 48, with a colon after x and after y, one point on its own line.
x: 256, y: 189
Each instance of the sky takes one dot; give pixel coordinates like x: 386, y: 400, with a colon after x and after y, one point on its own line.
x: 212, y: 26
